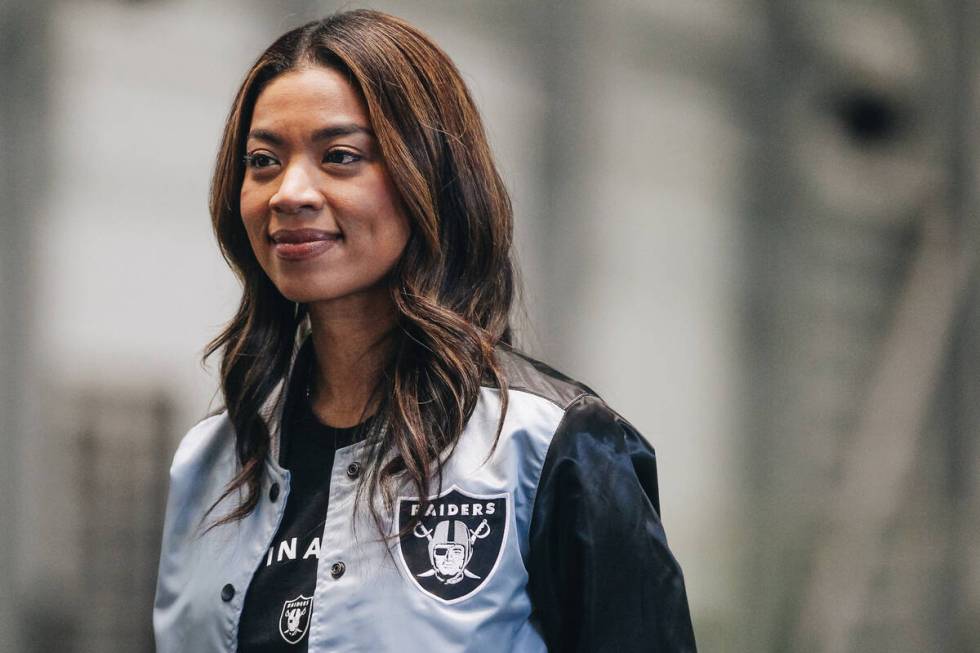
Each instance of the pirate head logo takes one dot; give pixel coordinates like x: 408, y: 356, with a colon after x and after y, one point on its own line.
x: 455, y: 547
x: 295, y: 618
x: 451, y: 549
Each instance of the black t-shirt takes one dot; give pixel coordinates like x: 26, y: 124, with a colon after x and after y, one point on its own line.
x: 279, y: 602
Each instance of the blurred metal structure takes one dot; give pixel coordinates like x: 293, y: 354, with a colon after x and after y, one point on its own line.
x: 858, y: 326
x: 122, y: 438
x: 871, y: 493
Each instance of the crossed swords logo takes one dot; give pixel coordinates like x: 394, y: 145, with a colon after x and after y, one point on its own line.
x: 447, y: 555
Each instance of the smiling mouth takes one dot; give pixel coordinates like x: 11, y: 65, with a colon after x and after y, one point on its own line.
x: 300, y: 244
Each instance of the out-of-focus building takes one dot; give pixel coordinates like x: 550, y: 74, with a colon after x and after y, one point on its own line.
x: 747, y: 223
x: 861, y: 431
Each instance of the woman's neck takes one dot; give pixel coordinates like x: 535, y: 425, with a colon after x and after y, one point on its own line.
x: 351, y: 338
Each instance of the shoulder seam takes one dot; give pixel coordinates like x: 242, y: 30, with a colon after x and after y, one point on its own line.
x: 547, y: 455
x: 550, y: 400
x: 521, y: 372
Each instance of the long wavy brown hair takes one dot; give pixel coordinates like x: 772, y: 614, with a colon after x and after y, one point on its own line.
x: 452, y: 287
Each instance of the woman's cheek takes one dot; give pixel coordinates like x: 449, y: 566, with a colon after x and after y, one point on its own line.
x: 250, y: 217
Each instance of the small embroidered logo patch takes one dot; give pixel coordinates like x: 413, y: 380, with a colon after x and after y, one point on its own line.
x: 455, y: 548
x: 295, y: 618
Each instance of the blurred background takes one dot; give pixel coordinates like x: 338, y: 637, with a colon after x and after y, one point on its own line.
x: 749, y: 224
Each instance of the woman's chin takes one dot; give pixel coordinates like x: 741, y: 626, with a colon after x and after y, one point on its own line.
x: 318, y: 294
x: 305, y: 296
x: 303, y: 293
x: 325, y: 291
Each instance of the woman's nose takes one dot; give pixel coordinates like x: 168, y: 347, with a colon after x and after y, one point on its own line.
x: 297, y: 191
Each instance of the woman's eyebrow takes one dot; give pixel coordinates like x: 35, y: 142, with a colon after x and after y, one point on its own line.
x: 324, y: 134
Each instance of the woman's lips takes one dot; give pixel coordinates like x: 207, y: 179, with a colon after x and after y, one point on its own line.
x: 300, y: 244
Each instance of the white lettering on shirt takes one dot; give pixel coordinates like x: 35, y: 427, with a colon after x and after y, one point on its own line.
x: 313, y: 549
x: 289, y: 548
x: 453, y: 509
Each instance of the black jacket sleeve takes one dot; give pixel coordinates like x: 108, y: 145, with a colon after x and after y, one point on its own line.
x: 601, y: 577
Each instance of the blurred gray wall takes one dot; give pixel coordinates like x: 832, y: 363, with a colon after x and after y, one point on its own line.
x: 24, y: 67
x: 719, y: 207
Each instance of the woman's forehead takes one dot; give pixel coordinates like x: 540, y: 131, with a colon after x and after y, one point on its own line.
x: 309, y: 99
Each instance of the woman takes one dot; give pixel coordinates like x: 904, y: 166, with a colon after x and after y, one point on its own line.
x: 389, y: 474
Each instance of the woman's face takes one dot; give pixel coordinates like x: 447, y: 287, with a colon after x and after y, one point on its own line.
x: 321, y: 212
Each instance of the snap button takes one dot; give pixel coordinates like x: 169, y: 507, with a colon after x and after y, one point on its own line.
x: 227, y: 592
x: 337, y: 569
x: 274, y: 492
x: 353, y: 470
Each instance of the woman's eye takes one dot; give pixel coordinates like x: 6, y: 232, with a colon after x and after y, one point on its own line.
x: 342, y: 157
x: 259, y: 160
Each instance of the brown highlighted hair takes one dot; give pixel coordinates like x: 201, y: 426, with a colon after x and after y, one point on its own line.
x: 452, y: 287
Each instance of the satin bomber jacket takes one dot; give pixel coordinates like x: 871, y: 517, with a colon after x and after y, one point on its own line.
x: 551, y: 541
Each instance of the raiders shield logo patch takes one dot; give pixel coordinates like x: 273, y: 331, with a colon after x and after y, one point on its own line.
x: 295, y: 618
x: 455, y: 548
